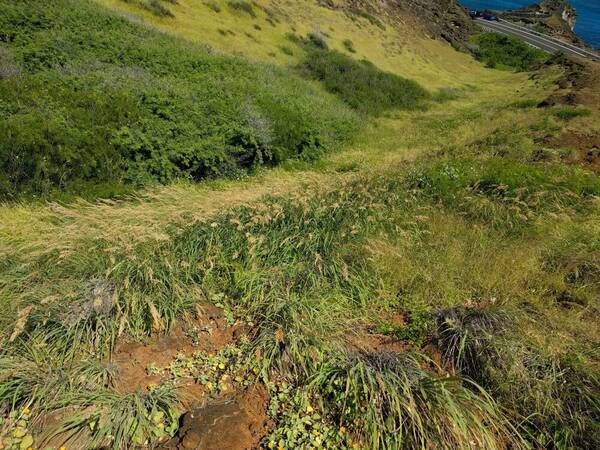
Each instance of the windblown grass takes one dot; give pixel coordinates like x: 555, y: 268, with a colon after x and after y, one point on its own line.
x: 301, y: 268
x: 442, y: 216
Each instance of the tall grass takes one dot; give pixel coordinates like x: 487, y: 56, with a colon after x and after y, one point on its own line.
x: 304, y: 270
x: 396, y: 404
x: 295, y: 268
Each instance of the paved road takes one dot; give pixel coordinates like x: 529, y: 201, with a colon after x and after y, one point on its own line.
x: 536, y: 39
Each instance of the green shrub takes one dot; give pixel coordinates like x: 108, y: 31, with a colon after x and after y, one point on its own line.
x: 361, y: 84
x: 103, y: 100
x: 497, y: 49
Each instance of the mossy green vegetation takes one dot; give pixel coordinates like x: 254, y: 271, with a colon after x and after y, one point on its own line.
x: 568, y: 113
x: 498, y: 50
x: 102, y: 100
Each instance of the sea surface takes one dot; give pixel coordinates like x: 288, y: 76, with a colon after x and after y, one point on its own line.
x: 588, y: 14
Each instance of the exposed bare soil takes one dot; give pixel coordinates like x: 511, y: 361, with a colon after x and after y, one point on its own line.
x: 212, y: 333
x: 579, y: 87
x: 237, y: 422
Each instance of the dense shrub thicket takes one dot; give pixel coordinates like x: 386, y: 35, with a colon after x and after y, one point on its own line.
x: 89, y: 98
x: 361, y: 84
x: 499, y: 50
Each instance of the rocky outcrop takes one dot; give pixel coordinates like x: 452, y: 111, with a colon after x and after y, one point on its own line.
x: 441, y: 18
x: 554, y: 17
x: 444, y: 19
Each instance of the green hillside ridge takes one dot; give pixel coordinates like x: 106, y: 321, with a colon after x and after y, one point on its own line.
x: 101, y: 100
x: 366, y: 240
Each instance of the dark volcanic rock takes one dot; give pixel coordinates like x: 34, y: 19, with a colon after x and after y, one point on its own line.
x: 553, y: 17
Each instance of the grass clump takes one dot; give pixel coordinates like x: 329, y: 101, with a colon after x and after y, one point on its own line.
x: 287, y: 50
x: 349, y: 45
x: 318, y: 40
x: 497, y: 50
x: 396, y: 404
x: 362, y: 85
x: 242, y: 6
x: 214, y: 6
x: 562, y: 392
x: 525, y: 104
x: 156, y: 7
x: 118, y: 104
x: 568, y: 113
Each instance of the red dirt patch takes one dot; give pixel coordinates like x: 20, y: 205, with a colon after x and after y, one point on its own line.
x: 364, y: 340
x: 232, y: 423
x: 208, y: 332
x: 579, y: 86
x: 587, y: 146
x: 377, y: 343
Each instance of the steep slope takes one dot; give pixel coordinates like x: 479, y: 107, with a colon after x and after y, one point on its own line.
x: 395, y: 36
x: 432, y: 283
x: 97, y: 99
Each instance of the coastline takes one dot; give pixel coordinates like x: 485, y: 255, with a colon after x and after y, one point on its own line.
x: 580, y: 20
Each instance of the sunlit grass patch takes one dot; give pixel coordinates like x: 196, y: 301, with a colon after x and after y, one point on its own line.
x: 506, y: 192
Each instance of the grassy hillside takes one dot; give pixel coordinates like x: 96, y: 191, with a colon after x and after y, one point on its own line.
x: 394, y: 46
x: 97, y: 99
x: 433, y: 283
x: 94, y: 99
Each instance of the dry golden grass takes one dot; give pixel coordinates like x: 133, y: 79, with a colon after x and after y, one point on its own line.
x: 44, y: 229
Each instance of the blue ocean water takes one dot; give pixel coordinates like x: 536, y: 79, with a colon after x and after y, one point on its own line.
x: 588, y: 11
